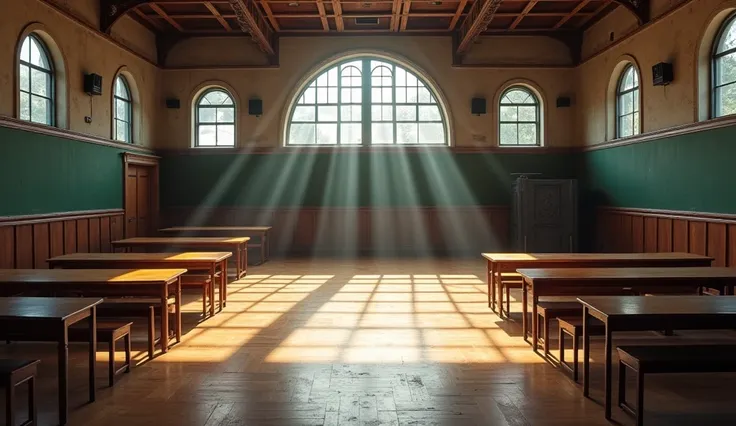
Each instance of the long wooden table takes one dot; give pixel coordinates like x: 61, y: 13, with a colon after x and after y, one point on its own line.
x: 259, y: 231
x: 211, y: 262
x: 161, y: 283
x: 237, y: 245
x: 498, y: 263
x: 50, y: 318
x: 636, y: 313
x: 599, y: 281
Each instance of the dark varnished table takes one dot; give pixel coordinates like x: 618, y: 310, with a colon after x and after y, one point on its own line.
x: 260, y: 231
x: 161, y: 283
x: 498, y: 263
x: 647, y: 313
x: 33, y: 315
x: 611, y: 281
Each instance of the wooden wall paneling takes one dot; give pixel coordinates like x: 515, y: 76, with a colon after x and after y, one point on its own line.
x: 637, y: 234
x: 698, y: 237
x: 83, y: 235
x: 7, y: 247
x: 717, y: 243
x: 650, y: 234
x: 105, y: 235
x: 664, y: 235
x: 731, y: 259
x: 602, y: 231
x: 24, y: 246
x: 626, y: 234
x: 94, y: 235
x: 41, y: 245
x: 70, y: 236
x: 56, y: 239
x: 116, y: 228
x: 680, y: 236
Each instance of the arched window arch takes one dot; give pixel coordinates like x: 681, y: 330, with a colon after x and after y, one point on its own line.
x: 122, y: 110
x: 520, y: 117
x: 628, y: 122
x: 36, y: 82
x: 724, y: 69
x: 367, y: 101
x: 214, y: 118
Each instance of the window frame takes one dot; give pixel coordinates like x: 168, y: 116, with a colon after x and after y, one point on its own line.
x: 537, y: 122
x: 716, y: 56
x: 366, y: 122
x: 128, y: 105
x: 620, y: 92
x: 197, y: 105
x: 51, y: 75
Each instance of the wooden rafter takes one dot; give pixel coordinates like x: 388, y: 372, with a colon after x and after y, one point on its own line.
x: 395, y: 15
x: 480, y: 15
x: 251, y: 21
x: 337, y: 9
x: 156, y: 8
x: 323, y: 15
x: 640, y: 9
x: 269, y: 14
x: 457, y: 15
x: 218, y: 16
x: 595, y: 13
x: 569, y: 16
x: 154, y: 23
x: 523, y: 14
x: 405, y: 15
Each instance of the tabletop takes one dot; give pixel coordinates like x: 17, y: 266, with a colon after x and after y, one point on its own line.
x: 589, y: 257
x: 142, y: 257
x: 660, y: 305
x: 52, y: 308
x: 217, y: 228
x: 182, y: 240
x: 87, y: 276
x: 573, y: 274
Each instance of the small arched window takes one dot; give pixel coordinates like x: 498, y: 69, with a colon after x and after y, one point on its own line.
x: 519, y: 118
x: 123, y: 111
x: 724, y: 70
x: 214, y: 119
x: 36, y: 78
x: 627, y: 103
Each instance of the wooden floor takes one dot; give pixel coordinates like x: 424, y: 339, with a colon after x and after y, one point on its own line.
x: 370, y: 342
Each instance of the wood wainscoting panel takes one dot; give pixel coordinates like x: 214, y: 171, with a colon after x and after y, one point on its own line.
x: 28, y: 241
x: 663, y: 231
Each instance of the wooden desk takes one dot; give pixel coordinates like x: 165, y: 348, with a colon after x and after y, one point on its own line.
x: 237, y: 245
x: 599, y: 281
x: 637, y: 313
x: 259, y: 231
x: 161, y: 283
x: 210, y: 262
x: 498, y: 263
x: 52, y: 317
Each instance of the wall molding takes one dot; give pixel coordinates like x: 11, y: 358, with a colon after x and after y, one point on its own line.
x: 16, y: 124
x: 367, y: 149
x: 674, y: 214
x: 54, y: 217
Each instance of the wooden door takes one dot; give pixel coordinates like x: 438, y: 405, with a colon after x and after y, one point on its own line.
x: 137, y: 201
x: 549, y: 215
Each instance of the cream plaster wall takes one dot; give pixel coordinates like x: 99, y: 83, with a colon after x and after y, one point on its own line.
x: 83, y: 52
x: 300, y: 56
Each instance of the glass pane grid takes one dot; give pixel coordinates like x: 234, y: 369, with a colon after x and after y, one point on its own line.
x: 36, y: 83
x: 215, y: 119
x: 519, y: 118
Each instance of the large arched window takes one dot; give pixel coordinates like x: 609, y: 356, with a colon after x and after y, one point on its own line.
x: 214, y: 119
x: 724, y: 70
x: 367, y: 101
x: 519, y: 117
x: 122, y: 111
x: 627, y: 103
x: 36, y: 78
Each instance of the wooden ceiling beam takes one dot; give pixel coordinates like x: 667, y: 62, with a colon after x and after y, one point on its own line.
x: 405, y: 15
x: 216, y: 13
x: 480, y: 15
x: 395, y: 15
x: 156, y: 8
x: 523, y: 14
x: 323, y: 15
x: 595, y: 13
x: 271, y: 17
x: 154, y: 23
x: 458, y: 13
x: 640, y: 9
x: 337, y: 10
x: 251, y: 21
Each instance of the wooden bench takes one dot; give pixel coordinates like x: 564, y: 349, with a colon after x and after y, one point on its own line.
x: 137, y: 307
x: 573, y: 327
x: 668, y: 359
x: 110, y: 332
x: 508, y: 281
x: 547, y: 311
x: 200, y: 280
x: 14, y: 373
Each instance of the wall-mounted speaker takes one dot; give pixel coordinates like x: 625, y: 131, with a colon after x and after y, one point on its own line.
x: 93, y: 84
x: 662, y: 74
x: 255, y: 107
x: 564, y: 102
x: 173, y: 103
x: 478, y: 106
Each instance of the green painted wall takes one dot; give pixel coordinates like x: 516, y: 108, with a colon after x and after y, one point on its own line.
x: 694, y: 172
x: 350, y: 179
x: 44, y: 174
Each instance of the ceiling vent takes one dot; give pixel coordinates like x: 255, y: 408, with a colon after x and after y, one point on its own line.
x: 366, y: 21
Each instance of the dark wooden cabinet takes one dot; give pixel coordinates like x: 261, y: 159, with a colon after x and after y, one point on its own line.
x: 544, y: 215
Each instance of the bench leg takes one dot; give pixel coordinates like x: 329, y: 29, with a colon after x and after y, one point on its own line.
x: 640, y: 398
x: 10, y: 403
x: 508, y: 302
x: 204, y: 300
x: 575, y: 342
x: 126, y: 340
x: 151, y: 331
x: 561, y: 344
x: 32, y: 409
x: 621, y: 384
x: 111, y: 363
x: 545, y: 320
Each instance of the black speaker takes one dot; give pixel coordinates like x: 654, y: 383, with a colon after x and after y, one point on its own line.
x: 173, y: 103
x: 93, y: 84
x: 478, y: 106
x: 255, y: 107
x: 564, y: 102
x: 662, y: 74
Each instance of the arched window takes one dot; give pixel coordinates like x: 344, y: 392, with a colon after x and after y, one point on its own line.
x: 519, y: 117
x: 122, y: 111
x: 724, y: 70
x: 627, y: 103
x: 36, y: 82
x: 367, y: 101
x: 214, y: 119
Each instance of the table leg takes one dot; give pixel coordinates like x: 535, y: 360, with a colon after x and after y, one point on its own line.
x: 524, y: 311
x: 499, y: 289
x: 245, y: 260
x: 263, y: 249
x: 237, y: 262
x: 63, y: 373
x: 491, y: 287
x: 92, y: 320
x: 177, y: 309
x: 535, y: 321
x: 586, y: 351
x: 268, y: 245
x: 607, y: 379
x: 165, y: 319
x: 223, y: 285
x: 213, y: 284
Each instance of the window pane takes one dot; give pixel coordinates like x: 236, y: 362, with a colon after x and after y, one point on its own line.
x: 206, y: 136
x: 382, y: 133
x: 527, y: 113
x: 508, y: 134
x: 636, y: 130
x: 424, y: 97
x: 310, y: 96
x: 351, y: 133
x: 207, y: 115
x: 25, y: 78
x: 433, y: 133
x: 40, y: 82
x: 120, y: 131
x: 38, y: 56
x: 406, y: 133
x: 327, y: 113
x: 726, y: 97
x: 332, y: 95
x: 400, y: 95
x: 509, y: 113
x: 376, y: 96
x: 728, y: 40
x: 626, y: 103
x: 40, y: 110
x: 411, y: 95
x: 300, y: 134
x: 226, y: 135
x: 25, y: 50
x: 726, y: 69
x: 322, y: 95
x: 429, y: 113
x: 350, y: 113
x: 527, y: 134
x: 25, y: 106
x: 635, y: 94
x: 387, y: 113
x: 121, y: 110
x: 225, y: 115
x: 217, y: 97
x: 625, y: 126
x: 386, y: 95
x: 406, y: 113
x: 304, y: 113
x: 327, y: 134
